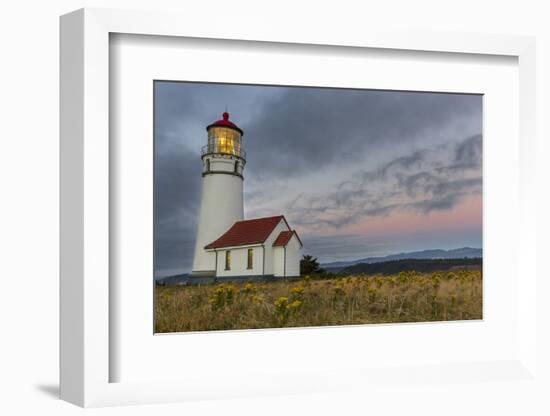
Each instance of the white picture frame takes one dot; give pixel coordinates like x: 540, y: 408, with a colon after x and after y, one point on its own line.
x: 86, y: 356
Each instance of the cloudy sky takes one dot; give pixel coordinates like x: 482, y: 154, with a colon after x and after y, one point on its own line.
x: 358, y: 173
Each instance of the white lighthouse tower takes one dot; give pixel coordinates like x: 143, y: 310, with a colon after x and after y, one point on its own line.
x: 223, y: 160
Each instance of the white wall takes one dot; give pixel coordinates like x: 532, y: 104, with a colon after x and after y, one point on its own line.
x: 279, y: 261
x: 221, y: 207
x: 269, y: 246
x: 239, y: 261
x: 293, y: 255
x: 286, y: 260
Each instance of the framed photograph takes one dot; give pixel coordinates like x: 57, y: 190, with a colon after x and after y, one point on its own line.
x: 326, y: 212
x: 273, y: 214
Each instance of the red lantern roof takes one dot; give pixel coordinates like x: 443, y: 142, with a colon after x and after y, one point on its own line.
x: 224, y: 122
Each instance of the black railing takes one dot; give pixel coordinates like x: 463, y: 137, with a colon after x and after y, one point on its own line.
x: 223, y: 150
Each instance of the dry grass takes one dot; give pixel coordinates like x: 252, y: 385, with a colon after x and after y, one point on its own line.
x: 406, y: 297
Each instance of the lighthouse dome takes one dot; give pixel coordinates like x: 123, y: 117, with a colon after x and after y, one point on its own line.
x: 225, y: 122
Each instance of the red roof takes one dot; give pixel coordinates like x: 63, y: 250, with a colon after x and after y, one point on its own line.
x: 283, y: 238
x: 224, y: 122
x: 246, y: 232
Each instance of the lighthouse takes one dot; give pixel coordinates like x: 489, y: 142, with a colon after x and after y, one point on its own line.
x: 223, y: 161
x: 228, y: 247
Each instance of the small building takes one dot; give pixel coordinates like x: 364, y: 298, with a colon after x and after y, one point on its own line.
x: 261, y: 247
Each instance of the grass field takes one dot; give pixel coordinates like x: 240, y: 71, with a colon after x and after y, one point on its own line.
x: 406, y: 297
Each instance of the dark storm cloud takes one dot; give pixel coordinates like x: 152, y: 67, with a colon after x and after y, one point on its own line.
x: 314, y: 127
x: 292, y: 132
x: 177, y: 195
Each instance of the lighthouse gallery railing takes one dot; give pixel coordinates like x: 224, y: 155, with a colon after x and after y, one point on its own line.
x: 224, y: 150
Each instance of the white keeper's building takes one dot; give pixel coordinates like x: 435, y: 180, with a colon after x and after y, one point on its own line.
x: 227, y: 245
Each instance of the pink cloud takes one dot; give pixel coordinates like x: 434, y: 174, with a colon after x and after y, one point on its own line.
x: 466, y: 214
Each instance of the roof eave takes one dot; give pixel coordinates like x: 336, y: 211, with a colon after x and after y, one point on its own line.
x: 298, y: 238
x: 255, y: 244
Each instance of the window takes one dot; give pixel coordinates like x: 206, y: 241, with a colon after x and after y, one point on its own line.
x: 224, y: 140
x: 236, y: 167
x: 228, y: 260
x: 250, y: 258
x: 207, y: 167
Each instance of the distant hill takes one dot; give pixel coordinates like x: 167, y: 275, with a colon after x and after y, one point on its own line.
x: 178, y: 279
x: 418, y: 265
x: 458, y: 253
